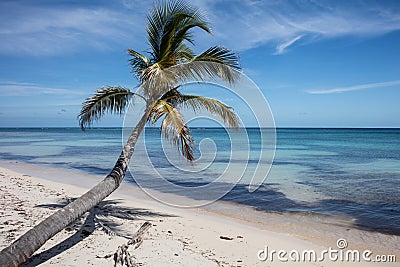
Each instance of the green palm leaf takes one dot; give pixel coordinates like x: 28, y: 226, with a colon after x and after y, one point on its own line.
x: 201, y: 70
x: 173, y: 127
x: 221, y: 55
x: 162, y: 80
x: 213, y: 106
x: 168, y: 25
x: 184, y: 53
x: 138, y: 63
x: 215, y: 62
x: 106, y: 99
x: 197, y: 103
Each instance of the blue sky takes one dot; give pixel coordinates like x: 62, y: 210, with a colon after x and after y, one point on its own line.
x: 318, y: 63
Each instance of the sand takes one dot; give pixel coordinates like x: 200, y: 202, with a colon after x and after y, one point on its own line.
x: 178, y: 237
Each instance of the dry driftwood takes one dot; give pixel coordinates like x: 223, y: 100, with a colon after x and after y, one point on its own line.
x: 122, y: 256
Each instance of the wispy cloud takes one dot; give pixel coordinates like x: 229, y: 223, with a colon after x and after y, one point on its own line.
x: 29, y: 89
x: 280, y: 49
x: 276, y: 22
x: 56, y: 28
x: 354, y: 87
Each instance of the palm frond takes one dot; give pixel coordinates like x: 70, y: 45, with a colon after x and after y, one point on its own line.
x: 213, y: 106
x: 179, y: 30
x: 221, y: 55
x: 156, y: 80
x: 169, y: 24
x: 106, y: 99
x: 173, y: 96
x: 195, y: 102
x: 215, y: 62
x: 162, y: 80
x: 138, y: 63
x: 173, y: 127
x: 200, y: 70
x: 184, y: 53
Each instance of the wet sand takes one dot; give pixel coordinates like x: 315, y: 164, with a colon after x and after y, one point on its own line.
x: 221, y: 234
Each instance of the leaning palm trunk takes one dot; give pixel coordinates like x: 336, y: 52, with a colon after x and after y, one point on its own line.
x: 21, y: 249
x: 168, y: 65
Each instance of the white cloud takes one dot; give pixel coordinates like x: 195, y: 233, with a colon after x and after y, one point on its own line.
x: 246, y: 24
x: 354, y: 87
x: 55, y: 28
x: 280, y: 49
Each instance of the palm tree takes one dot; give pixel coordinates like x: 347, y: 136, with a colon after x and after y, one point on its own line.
x: 161, y: 72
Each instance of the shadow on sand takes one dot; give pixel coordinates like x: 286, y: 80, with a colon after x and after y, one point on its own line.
x: 368, y: 217
x: 100, y: 216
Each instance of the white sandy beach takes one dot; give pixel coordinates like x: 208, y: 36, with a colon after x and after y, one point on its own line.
x: 178, y: 237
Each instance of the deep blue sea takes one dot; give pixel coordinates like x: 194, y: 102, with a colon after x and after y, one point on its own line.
x: 350, y: 172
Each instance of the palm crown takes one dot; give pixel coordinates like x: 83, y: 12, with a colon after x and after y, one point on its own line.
x: 162, y: 70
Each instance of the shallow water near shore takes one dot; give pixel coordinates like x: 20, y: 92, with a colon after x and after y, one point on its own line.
x: 350, y: 174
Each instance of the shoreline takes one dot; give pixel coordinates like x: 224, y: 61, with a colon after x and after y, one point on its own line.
x: 203, y: 227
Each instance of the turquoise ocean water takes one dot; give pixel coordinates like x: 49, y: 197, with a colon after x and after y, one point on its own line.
x: 350, y: 172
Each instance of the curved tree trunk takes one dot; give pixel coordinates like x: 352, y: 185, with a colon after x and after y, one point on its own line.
x: 21, y: 249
